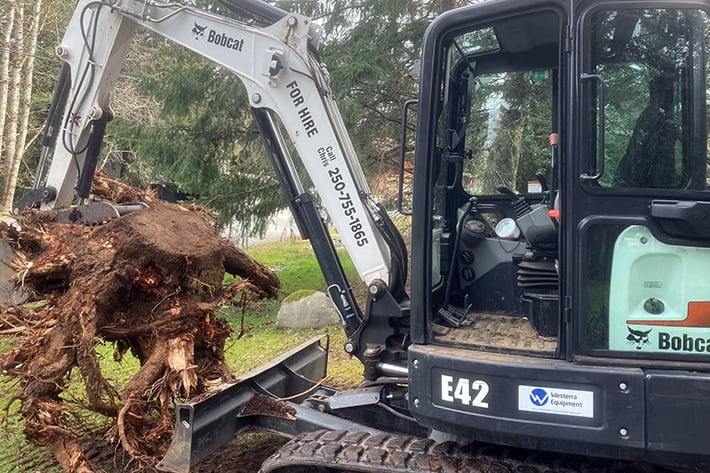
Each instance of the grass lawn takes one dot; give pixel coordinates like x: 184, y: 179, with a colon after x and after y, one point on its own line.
x: 256, y: 340
x: 261, y: 340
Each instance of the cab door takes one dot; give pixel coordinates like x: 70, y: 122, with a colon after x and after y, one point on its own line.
x: 639, y: 206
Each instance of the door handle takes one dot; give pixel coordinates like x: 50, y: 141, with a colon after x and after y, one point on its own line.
x: 683, y: 218
x: 601, y: 85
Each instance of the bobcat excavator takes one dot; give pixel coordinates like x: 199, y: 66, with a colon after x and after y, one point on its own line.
x: 559, y: 302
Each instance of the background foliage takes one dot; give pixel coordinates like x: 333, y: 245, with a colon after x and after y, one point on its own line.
x: 182, y: 120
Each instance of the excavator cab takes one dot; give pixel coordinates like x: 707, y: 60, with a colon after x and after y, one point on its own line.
x: 561, y: 177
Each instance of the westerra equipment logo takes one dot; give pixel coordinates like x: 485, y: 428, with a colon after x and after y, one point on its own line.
x: 556, y: 401
x: 539, y: 397
x: 219, y: 39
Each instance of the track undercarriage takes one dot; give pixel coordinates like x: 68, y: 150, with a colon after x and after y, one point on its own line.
x: 339, y: 451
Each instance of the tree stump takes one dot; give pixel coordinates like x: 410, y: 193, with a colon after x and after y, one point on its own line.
x: 149, y: 282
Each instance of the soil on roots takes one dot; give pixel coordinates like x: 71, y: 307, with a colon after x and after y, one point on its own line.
x: 149, y: 282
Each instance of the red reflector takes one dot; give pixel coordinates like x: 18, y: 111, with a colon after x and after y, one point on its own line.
x: 553, y: 213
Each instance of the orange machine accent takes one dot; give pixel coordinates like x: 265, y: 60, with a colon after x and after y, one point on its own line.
x: 698, y: 316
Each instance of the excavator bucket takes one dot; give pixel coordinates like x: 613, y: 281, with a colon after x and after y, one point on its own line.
x: 257, y: 399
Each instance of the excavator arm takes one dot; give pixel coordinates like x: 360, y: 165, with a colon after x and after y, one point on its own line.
x: 288, y: 90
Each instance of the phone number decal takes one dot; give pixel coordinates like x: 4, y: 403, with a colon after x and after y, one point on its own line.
x: 349, y: 210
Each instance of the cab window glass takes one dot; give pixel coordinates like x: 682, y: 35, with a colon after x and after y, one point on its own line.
x: 507, y: 138
x: 653, y: 64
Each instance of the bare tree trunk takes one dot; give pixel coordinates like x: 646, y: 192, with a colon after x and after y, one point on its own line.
x: 5, y: 67
x: 26, y: 103
x: 13, y: 107
x: 19, y: 89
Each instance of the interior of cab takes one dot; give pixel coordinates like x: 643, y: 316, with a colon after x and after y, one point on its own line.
x: 495, y: 241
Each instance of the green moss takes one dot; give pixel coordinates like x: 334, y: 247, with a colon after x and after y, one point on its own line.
x: 36, y: 305
x: 298, y: 295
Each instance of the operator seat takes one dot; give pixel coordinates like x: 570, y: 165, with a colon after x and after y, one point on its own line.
x: 543, y: 237
x: 649, y: 160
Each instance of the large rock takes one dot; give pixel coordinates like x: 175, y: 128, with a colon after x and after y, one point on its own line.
x: 307, y: 309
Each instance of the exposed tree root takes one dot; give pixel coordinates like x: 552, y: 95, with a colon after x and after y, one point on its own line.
x: 150, y: 283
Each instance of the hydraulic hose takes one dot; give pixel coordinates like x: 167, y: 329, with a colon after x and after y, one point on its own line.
x: 258, y: 10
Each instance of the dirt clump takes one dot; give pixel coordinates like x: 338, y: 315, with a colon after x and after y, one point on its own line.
x: 149, y: 282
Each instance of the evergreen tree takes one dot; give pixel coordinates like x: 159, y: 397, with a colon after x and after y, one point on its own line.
x: 203, y: 141
x: 371, y: 49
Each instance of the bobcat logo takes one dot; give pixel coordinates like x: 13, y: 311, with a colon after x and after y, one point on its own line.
x: 198, y: 31
x: 638, y: 337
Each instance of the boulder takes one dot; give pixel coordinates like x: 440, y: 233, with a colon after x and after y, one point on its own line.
x: 307, y: 309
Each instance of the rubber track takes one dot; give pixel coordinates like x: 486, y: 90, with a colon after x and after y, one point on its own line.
x: 340, y: 451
